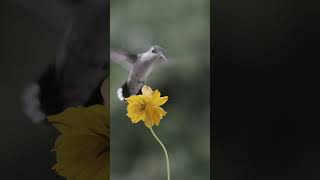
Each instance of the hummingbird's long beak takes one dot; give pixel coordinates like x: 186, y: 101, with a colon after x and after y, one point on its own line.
x: 164, y: 57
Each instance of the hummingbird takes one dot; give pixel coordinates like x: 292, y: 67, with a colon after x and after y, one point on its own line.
x: 139, y: 65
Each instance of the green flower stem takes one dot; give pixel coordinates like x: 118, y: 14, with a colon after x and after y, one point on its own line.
x: 165, y: 152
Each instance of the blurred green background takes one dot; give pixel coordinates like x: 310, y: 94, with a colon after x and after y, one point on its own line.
x: 182, y: 28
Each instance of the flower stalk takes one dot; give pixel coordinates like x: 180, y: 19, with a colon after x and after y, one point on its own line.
x: 165, y: 152
x: 146, y: 107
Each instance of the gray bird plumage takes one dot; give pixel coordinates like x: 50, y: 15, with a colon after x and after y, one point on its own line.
x: 140, y: 67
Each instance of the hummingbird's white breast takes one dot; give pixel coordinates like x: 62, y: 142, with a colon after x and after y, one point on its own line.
x: 140, y: 71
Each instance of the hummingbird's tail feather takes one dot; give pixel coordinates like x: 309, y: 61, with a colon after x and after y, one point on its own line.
x: 31, y: 103
x: 124, y: 92
x: 42, y: 97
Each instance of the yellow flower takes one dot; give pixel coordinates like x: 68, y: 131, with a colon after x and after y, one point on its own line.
x: 82, y: 149
x: 146, y: 107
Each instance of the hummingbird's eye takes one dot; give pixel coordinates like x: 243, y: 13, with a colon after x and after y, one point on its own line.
x: 154, y: 50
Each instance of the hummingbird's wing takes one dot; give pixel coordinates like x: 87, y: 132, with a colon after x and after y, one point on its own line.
x: 81, y: 65
x: 124, y: 58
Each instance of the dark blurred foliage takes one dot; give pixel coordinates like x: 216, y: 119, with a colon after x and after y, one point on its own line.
x: 182, y: 29
x: 28, y: 44
x: 31, y: 35
x: 266, y: 90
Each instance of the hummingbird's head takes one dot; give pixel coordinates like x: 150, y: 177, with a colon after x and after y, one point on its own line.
x: 157, y: 53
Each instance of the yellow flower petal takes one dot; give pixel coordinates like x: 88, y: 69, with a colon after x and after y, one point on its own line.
x: 162, y: 113
x: 135, y: 99
x: 152, y: 114
x: 82, y: 149
x: 147, y: 122
x: 86, y: 119
x: 135, y: 111
x: 146, y: 90
x: 157, y: 100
